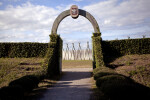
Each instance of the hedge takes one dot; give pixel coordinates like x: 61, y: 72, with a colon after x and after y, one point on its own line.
x: 11, y: 93
x: 97, y: 51
x: 109, y: 48
x: 110, y: 83
x: 26, y: 49
x: 119, y: 87
x: 17, y: 88
x: 126, y: 47
x: 53, y: 58
x: 103, y: 71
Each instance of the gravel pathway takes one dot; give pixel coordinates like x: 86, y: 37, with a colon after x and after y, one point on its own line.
x: 75, y: 84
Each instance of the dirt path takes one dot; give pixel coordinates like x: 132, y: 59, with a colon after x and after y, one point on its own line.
x: 75, y: 84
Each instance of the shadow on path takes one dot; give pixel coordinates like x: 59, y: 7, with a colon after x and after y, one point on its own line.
x: 75, y: 84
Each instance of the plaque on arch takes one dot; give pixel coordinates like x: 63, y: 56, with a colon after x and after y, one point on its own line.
x: 74, y: 12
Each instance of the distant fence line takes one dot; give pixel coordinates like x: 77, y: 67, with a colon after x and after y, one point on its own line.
x: 77, y: 54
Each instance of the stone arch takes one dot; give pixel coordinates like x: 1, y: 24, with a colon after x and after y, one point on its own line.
x: 82, y: 13
x: 54, y: 52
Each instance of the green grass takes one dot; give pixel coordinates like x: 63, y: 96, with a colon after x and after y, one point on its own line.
x: 13, y: 68
x: 77, y: 64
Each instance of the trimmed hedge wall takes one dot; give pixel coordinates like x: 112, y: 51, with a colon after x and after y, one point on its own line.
x: 53, y: 58
x: 126, y: 47
x: 97, y: 51
x: 25, y: 49
x: 110, y: 48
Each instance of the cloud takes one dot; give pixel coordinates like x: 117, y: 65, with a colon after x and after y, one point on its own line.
x: 27, y: 19
x: 121, y: 19
x: 33, y: 23
x: 69, y: 25
x: 112, y: 14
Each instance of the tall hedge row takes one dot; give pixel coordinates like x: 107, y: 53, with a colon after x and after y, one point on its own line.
x: 26, y: 49
x: 52, y: 62
x: 126, y: 47
x: 97, y: 51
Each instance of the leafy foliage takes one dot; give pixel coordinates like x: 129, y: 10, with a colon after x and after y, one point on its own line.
x: 11, y: 93
x: 26, y: 49
x: 97, y: 51
x: 53, y: 57
x: 126, y: 47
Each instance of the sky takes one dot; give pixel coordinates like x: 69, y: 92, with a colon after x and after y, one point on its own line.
x: 32, y: 20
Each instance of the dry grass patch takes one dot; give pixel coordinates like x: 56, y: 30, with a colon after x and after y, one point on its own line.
x: 13, y: 68
x: 136, y: 67
x: 77, y: 64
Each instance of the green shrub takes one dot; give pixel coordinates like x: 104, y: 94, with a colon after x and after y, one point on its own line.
x: 97, y: 51
x: 119, y: 87
x: 103, y: 73
x: 28, y: 83
x: 126, y: 47
x: 53, y: 56
x: 24, y: 49
x: 110, y: 79
x: 40, y: 75
x: 11, y: 93
x: 102, y: 69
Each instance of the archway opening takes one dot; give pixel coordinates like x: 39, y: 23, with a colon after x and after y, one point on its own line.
x: 77, y: 42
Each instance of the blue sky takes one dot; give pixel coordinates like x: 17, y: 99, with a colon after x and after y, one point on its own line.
x: 32, y: 20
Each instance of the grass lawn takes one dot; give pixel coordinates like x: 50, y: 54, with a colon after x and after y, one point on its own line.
x: 77, y: 64
x: 13, y: 68
x: 136, y: 67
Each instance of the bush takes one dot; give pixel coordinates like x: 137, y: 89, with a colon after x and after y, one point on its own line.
x: 53, y: 56
x: 126, y: 47
x: 11, y: 93
x: 119, y: 87
x: 40, y: 75
x: 28, y: 83
x: 103, y: 71
x: 97, y: 51
x: 24, y: 49
x: 111, y: 79
x: 101, y: 74
x: 17, y: 88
